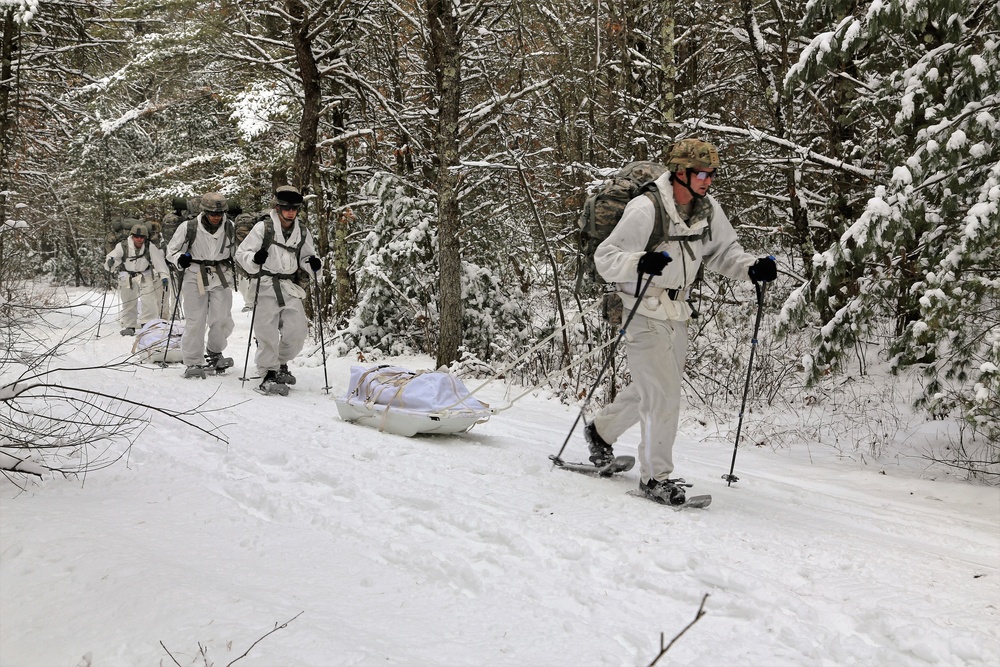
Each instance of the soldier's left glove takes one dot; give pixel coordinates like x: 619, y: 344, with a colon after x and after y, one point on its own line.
x: 764, y: 270
x: 314, y: 263
x: 165, y: 281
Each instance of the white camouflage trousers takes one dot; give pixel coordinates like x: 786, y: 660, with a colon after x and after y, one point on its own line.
x: 133, y: 290
x: 656, y: 351
x: 211, y: 310
x: 280, y: 332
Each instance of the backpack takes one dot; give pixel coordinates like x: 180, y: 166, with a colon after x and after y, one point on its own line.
x: 604, y: 207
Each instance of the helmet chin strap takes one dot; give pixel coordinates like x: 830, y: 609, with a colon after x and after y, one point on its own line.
x: 687, y: 184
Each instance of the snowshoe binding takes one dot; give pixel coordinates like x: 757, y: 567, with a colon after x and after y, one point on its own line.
x: 284, y: 375
x: 271, y: 387
x: 665, y: 492
x: 127, y: 331
x: 217, y: 362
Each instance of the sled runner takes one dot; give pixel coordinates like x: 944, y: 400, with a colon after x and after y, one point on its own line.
x: 403, y: 402
x: 150, y: 341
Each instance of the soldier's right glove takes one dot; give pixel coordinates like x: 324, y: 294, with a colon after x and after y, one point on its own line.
x: 653, y: 263
x: 184, y: 260
x: 764, y: 270
x: 260, y: 256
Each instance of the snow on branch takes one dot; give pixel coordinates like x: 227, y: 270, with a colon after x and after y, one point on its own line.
x: 807, y: 154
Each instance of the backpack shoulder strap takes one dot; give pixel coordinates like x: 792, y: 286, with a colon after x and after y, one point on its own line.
x: 192, y: 231
x: 659, y: 233
x: 268, y: 232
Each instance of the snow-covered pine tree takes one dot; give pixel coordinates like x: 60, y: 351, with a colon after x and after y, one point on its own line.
x: 923, y: 251
x: 396, y: 276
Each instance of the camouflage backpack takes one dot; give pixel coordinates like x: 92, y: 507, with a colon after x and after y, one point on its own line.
x: 604, y: 207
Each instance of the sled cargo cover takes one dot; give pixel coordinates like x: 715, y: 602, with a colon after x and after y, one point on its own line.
x: 404, y: 402
x: 152, y: 338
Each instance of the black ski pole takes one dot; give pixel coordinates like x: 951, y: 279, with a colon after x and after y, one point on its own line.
x: 253, y: 315
x: 170, y: 330
x: 163, y: 296
x: 730, y: 478
x: 322, y: 345
x: 557, y: 458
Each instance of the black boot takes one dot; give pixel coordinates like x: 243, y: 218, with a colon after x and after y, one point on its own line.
x: 601, y: 453
x: 284, y: 376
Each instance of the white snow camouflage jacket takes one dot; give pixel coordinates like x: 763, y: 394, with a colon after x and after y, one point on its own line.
x: 617, y: 258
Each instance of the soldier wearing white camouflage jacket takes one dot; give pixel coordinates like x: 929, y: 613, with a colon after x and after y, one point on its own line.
x: 697, y: 232
x: 142, y: 273
x: 272, y: 253
x: 202, y: 248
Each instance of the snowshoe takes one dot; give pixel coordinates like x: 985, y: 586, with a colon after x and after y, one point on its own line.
x: 271, y: 387
x: 196, y: 372
x: 284, y: 375
x: 618, y: 464
x: 692, y: 502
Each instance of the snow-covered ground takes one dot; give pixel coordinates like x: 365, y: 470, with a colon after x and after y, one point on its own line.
x: 376, y: 549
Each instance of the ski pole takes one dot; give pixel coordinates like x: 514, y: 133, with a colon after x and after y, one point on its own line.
x: 557, y: 458
x: 170, y: 330
x: 730, y: 478
x: 322, y: 345
x: 163, y: 296
x: 253, y: 315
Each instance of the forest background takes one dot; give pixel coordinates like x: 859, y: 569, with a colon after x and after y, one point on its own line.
x: 446, y: 149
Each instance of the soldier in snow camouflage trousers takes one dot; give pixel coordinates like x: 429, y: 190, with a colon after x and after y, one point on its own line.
x: 272, y: 253
x: 697, y: 232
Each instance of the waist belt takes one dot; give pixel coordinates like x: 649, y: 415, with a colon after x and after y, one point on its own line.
x: 671, y: 294
x: 276, y: 279
x: 219, y: 264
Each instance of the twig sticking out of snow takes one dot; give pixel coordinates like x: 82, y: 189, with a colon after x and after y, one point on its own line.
x: 697, y: 617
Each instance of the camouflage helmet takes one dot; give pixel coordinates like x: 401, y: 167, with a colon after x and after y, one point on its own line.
x: 140, y: 229
x: 286, y: 195
x: 692, y: 154
x: 213, y: 202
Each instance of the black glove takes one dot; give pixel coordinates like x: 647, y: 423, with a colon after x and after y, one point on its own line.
x: 260, y: 256
x: 184, y: 260
x: 653, y: 263
x: 764, y: 270
x: 314, y: 263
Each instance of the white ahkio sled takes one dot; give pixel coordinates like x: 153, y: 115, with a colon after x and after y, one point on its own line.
x: 404, y: 402
x: 151, y: 344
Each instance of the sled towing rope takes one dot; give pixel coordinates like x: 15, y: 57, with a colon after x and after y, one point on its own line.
x: 730, y: 478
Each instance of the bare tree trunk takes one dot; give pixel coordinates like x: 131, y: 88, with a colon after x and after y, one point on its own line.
x: 445, y: 61
x: 305, y: 150
x: 8, y: 38
x: 669, y: 69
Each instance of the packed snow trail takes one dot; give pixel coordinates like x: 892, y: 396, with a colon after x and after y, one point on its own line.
x: 472, y: 550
